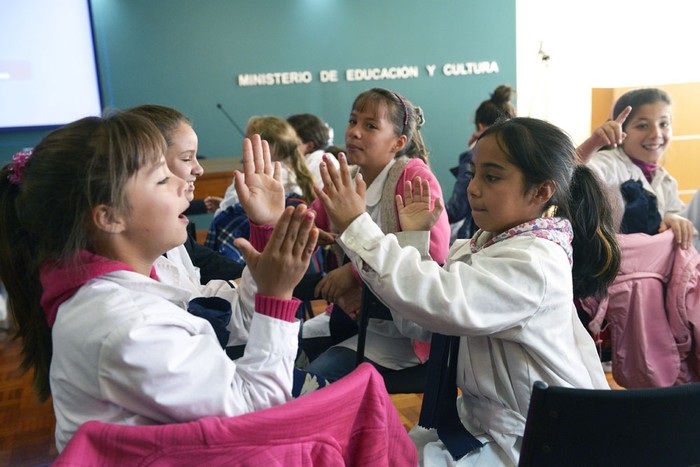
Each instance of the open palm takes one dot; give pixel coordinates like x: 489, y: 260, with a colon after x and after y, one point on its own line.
x: 259, y: 189
x: 414, y: 212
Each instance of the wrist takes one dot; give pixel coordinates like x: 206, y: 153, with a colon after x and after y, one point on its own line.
x: 260, y: 235
x: 276, y: 307
x: 345, y: 224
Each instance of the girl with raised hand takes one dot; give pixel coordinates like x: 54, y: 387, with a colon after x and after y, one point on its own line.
x: 637, y: 139
x: 505, y: 297
x: 104, y: 325
x: 384, y: 142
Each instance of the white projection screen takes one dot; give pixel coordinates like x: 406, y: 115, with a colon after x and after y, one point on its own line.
x: 48, y: 72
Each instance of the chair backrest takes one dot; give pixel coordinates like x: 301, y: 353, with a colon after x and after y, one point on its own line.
x: 406, y: 381
x: 588, y: 427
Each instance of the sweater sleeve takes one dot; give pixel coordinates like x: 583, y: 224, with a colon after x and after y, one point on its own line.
x: 260, y: 235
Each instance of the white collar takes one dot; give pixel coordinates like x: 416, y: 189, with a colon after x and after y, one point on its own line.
x: 374, y: 192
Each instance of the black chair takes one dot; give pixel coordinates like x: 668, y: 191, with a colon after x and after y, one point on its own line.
x: 635, y: 427
x: 408, y: 380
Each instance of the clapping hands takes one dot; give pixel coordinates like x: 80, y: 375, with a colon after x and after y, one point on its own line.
x: 343, y: 201
x: 415, y: 213
x: 259, y: 189
x: 285, y: 259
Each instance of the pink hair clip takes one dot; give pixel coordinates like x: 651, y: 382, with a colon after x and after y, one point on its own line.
x: 19, y: 160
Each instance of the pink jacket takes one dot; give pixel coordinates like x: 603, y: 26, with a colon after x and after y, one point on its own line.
x: 653, y: 309
x: 351, y: 422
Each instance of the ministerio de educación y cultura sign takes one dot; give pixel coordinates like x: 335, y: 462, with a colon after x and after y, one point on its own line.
x: 365, y: 74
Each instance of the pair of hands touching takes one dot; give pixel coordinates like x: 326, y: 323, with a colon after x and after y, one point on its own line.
x: 295, y: 237
x: 344, y: 201
x: 285, y: 259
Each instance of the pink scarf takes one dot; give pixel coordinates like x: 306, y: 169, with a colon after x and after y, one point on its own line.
x: 648, y: 168
x: 554, y: 229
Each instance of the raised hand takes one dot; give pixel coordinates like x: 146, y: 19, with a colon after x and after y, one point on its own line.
x: 608, y: 134
x: 285, y: 259
x: 415, y: 213
x: 343, y: 201
x: 259, y: 189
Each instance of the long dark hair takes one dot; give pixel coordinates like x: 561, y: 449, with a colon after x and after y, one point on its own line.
x: 543, y: 152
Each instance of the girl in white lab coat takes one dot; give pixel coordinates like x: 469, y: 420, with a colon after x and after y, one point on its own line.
x: 506, y: 295
x: 633, y: 147
x: 104, y: 324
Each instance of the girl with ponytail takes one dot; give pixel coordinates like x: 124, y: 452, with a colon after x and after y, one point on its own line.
x: 504, y: 301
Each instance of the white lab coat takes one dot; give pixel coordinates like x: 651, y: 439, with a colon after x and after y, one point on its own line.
x: 126, y: 351
x: 512, y: 305
x: 614, y: 168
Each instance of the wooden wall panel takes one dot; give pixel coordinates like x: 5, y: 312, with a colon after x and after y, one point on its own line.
x: 218, y: 175
x: 682, y: 160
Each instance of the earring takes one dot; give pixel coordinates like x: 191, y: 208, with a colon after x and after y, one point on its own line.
x: 550, y: 211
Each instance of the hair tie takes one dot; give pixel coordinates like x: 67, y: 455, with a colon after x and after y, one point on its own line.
x: 420, y: 117
x: 405, y: 109
x: 19, y: 161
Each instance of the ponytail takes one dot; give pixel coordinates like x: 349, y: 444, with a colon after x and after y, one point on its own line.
x: 497, y: 107
x: 415, y: 147
x: 596, y: 252
x: 305, y: 179
x: 19, y: 272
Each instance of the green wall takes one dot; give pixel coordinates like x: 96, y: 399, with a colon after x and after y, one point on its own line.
x: 188, y: 54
